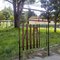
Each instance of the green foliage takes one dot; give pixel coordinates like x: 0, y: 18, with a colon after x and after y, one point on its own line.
x: 46, y: 4
x: 26, y: 15
x: 53, y: 7
x: 22, y: 18
x: 56, y: 7
x: 11, y: 17
x: 6, y: 14
x: 18, y: 7
x: 2, y: 17
x: 31, y: 13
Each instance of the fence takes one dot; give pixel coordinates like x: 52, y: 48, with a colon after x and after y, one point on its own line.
x: 30, y: 36
x: 33, y: 36
x: 6, y: 23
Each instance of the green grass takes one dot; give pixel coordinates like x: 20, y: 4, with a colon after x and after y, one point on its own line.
x: 9, y: 41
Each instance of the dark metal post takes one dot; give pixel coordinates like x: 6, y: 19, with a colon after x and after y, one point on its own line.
x: 48, y: 38
x: 39, y: 36
x: 23, y: 36
x: 46, y: 35
x: 30, y: 37
x: 19, y: 41
x: 26, y: 36
x: 33, y: 36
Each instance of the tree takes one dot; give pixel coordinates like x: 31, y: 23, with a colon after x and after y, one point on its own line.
x: 58, y: 20
x: 18, y: 6
x: 48, y: 9
x: 43, y: 15
x: 30, y: 13
x: 2, y: 17
x: 7, y: 12
x: 56, y: 6
x: 26, y: 15
x: 11, y: 17
x: 22, y: 18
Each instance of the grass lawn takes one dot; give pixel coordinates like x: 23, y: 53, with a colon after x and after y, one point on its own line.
x: 9, y: 41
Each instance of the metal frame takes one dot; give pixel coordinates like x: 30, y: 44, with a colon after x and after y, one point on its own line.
x: 47, y: 33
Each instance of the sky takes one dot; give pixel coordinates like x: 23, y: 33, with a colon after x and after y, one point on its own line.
x: 33, y: 6
x: 4, y: 4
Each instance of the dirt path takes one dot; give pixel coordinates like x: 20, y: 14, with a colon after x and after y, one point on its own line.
x: 42, y: 54
x: 53, y: 57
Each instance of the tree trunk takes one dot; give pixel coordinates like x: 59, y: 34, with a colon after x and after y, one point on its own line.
x: 55, y: 22
x: 16, y: 15
x: 16, y: 21
x: 55, y: 25
x: 17, y: 12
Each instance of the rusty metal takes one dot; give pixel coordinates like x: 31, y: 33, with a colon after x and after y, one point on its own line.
x: 39, y: 35
x: 30, y: 37
x: 27, y: 36
x: 23, y: 36
x: 33, y: 36
x: 36, y: 31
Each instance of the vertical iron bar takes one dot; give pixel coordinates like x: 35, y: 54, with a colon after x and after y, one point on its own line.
x: 33, y: 36
x: 48, y: 38
x: 27, y: 36
x: 39, y: 35
x: 19, y: 41
x: 23, y: 36
x: 30, y: 37
x: 36, y: 38
x: 46, y: 35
